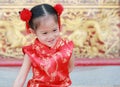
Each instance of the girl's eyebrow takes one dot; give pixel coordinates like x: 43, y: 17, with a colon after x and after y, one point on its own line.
x: 55, y: 26
x: 43, y: 31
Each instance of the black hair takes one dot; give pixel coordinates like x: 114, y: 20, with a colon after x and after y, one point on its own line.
x: 41, y: 10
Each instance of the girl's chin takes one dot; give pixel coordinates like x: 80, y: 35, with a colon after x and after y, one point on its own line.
x: 51, y: 46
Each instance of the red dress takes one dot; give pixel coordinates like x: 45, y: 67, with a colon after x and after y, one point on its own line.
x: 49, y: 65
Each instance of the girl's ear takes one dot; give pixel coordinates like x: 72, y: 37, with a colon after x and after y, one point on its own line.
x: 61, y: 28
x: 32, y: 30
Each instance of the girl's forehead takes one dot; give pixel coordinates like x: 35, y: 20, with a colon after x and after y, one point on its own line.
x: 47, y: 21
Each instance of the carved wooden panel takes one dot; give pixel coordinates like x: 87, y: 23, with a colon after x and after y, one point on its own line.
x: 93, y: 25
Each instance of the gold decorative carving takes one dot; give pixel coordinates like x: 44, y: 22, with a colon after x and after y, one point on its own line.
x: 93, y: 25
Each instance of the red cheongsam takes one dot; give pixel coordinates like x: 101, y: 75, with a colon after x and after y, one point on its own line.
x: 49, y: 65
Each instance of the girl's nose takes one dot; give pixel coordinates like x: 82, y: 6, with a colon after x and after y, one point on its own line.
x: 51, y: 36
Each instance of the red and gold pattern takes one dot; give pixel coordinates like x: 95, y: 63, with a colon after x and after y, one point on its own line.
x: 50, y: 65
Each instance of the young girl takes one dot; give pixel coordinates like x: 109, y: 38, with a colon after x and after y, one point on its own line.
x: 49, y: 55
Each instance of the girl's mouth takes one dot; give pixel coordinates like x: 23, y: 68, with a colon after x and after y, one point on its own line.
x: 50, y: 41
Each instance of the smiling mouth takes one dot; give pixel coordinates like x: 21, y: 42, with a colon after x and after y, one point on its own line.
x: 51, y: 41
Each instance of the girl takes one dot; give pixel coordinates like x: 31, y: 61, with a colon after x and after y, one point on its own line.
x: 49, y: 55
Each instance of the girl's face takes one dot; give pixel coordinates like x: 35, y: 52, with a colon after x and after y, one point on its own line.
x: 48, y: 30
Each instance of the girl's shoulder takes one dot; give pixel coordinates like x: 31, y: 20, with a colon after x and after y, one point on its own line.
x: 66, y: 43
x: 27, y: 48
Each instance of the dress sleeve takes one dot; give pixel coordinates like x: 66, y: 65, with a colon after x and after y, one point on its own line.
x: 27, y: 49
x: 66, y: 50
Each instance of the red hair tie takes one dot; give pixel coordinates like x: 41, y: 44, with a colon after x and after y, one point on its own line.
x: 59, y: 8
x: 25, y: 15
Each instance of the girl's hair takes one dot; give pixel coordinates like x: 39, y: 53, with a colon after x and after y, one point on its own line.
x: 41, y: 10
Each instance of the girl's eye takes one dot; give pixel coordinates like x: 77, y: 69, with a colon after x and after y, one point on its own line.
x: 55, y: 30
x: 45, y: 33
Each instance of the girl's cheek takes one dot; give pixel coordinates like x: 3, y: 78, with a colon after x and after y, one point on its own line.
x: 41, y: 37
x: 57, y: 34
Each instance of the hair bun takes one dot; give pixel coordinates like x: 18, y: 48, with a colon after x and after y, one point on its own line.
x: 59, y: 8
x: 25, y: 15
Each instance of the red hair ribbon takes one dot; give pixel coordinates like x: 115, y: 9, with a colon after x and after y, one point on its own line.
x: 59, y: 8
x: 25, y: 15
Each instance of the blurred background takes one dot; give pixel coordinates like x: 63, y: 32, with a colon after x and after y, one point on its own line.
x: 93, y: 25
